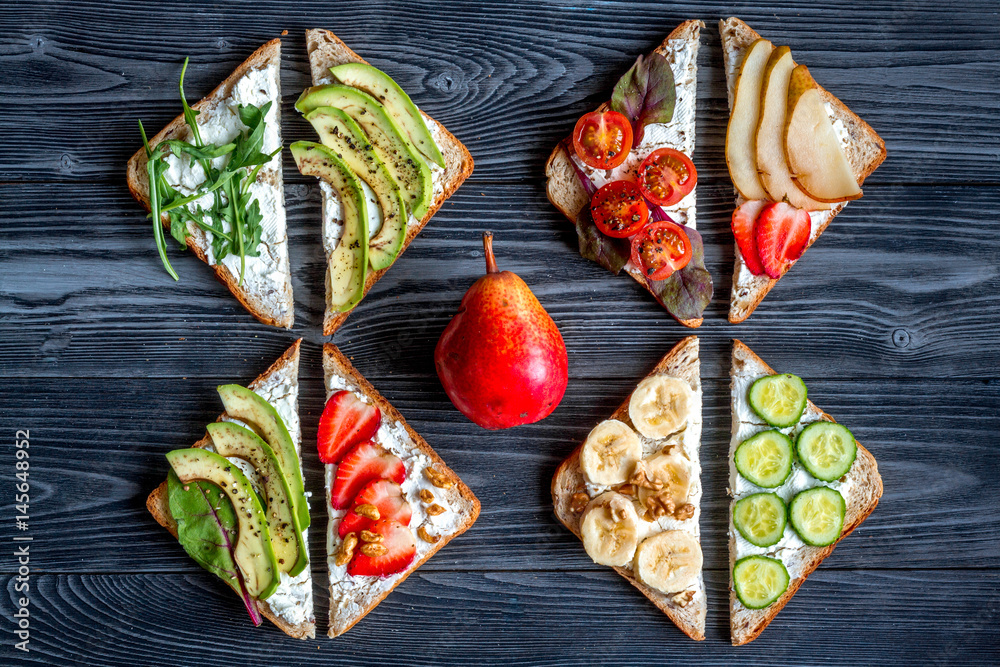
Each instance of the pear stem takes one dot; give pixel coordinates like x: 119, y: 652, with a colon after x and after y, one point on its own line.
x: 491, y: 261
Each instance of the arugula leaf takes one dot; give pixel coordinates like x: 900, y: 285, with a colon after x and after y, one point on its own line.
x: 687, y: 292
x: 190, y: 115
x: 198, y: 152
x: 646, y: 93
x: 232, y: 202
x: 207, y: 529
x: 154, y: 171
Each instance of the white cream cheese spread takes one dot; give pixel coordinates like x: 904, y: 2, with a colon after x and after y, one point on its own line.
x: 268, y: 275
x: 745, y: 424
x: 743, y: 280
x: 293, y: 599
x: 678, y: 134
x: 689, y: 439
x: 351, y: 594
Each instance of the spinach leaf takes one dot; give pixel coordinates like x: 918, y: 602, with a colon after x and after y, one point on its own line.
x: 686, y: 293
x: 646, y: 93
x: 207, y: 528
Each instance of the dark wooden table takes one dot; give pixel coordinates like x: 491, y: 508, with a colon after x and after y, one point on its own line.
x: 892, y: 319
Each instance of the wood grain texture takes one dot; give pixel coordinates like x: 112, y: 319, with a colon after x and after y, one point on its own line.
x: 75, y: 304
x: 891, y: 319
x: 918, y: 72
x: 92, y: 477
x: 463, y: 618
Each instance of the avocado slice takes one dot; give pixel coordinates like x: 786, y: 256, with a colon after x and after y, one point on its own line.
x: 245, y: 405
x: 340, y: 133
x: 290, y: 551
x: 348, y: 265
x: 253, y: 553
x: 397, y: 104
x: 392, y: 147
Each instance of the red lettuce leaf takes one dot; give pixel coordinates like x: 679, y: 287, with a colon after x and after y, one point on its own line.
x: 687, y: 292
x: 610, y: 253
x: 646, y: 93
x: 207, y: 528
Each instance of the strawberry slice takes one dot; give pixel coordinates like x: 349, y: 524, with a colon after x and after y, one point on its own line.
x: 782, y: 232
x: 400, y: 549
x: 387, y: 497
x: 744, y: 218
x: 346, y: 421
x: 363, y: 464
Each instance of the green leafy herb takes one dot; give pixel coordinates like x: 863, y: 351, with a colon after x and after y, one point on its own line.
x: 207, y: 529
x: 233, y: 218
x: 686, y: 293
x: 646, y: 93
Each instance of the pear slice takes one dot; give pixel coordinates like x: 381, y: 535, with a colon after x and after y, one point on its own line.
x: 740, y: 133
x: 770, y: 137
x: 812, y: 149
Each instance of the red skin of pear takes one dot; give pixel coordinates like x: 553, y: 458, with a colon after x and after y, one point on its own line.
x: 501, y: 359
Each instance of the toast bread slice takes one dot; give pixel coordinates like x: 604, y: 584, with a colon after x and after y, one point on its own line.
x: 563, y: 185
x: 682, y: 361
x: 351, y: 598
x: 865, y: 491
x: 286, y: 369
x: 268, y: 296
x: 326, y: 50
x: 864, y: 149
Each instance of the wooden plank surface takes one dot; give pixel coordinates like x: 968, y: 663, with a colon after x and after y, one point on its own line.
x: 505, y: 92
x: 839, y: 616
x: 926, y: 307
x: 892, y: 319
x: 924, y: 442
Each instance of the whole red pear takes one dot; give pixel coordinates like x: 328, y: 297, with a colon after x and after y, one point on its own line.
x: 501, y: 359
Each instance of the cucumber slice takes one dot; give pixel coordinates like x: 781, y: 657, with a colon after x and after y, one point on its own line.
x: 765, y: 459
x: 761, y: 518
x: 817, y: 515
x: 778, y: 399
x: 759, y: 581
x: 827, y: 450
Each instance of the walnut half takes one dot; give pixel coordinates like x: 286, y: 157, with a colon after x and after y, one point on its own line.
x: 578, y: 502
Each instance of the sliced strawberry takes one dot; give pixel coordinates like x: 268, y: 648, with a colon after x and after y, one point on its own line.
x: 400, y: 549
x: 366, y: 462
x: 744, y: 218
x: 387, y: 497
x: 346, y: 421
x: 782, y: 232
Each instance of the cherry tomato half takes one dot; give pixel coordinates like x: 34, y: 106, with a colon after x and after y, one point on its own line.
x: 602, y: 139
x: 660, y: 249
x: 667, y: 176
x: 619, y: 209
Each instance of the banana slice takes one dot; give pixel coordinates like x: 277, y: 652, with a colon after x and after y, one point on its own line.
x: 660, y: 406
x: 667, y: 475
x: 610, y: 529
x: 610, y: 453
x: 669, y: 561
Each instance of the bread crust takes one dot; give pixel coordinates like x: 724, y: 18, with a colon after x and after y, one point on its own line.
x: 867, y: 153
x: 681, y: 361
x: 747, y: 624
x: 568, y: 195
x: 138, y: 185
x: 327, y: 50
x: 158, y: 505
x: 334, y: 362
